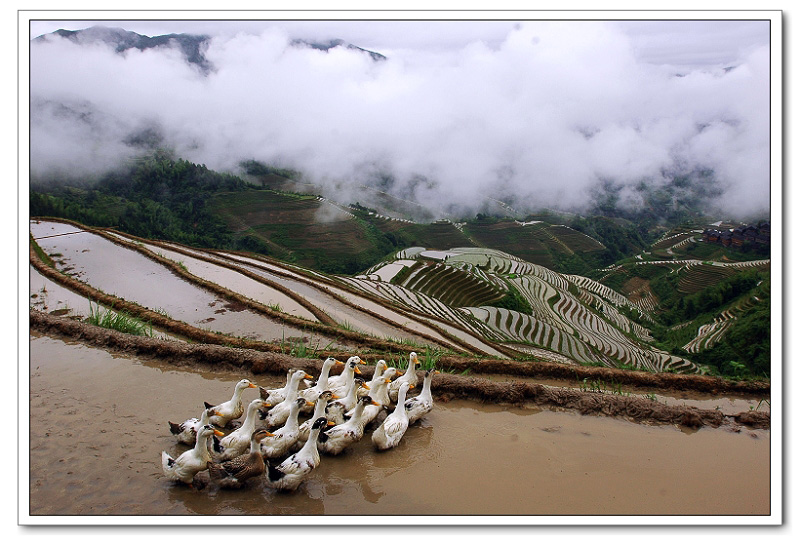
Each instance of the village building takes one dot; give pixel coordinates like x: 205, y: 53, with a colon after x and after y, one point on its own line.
x: 737, y: 236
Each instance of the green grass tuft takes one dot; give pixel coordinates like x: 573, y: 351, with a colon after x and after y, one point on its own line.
x: 118, y: 320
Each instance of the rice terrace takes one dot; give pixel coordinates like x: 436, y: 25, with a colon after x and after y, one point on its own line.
x: 340, y: 334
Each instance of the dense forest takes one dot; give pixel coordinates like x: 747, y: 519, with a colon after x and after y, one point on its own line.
x: 156, y: 197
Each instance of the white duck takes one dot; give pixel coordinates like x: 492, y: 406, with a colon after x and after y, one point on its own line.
x: 380, y: 391
x: 237, y: 441
x: 279, y: 413
x: 312, y: 393
x: 234, y: 473
x: 295, y: 469
x: 336, y: 439
x: 186, y: 431
x: 283, y: 439
x: 276, y: 395
x: 319, y: 411
x: 351, y: 398
x: 337, y: 410
x: 377, y: 375
x: 410, y: 377
x: 392, y: 429
x: 193, y: 461
x: 338, y: 384
x: 419, y: 406
x: 380, y: 395
x: 231, y: 409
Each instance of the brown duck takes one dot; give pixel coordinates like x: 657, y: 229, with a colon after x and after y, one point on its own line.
x: 235, y: 473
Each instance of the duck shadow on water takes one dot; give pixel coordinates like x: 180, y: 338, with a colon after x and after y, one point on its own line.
x: 255, y: 498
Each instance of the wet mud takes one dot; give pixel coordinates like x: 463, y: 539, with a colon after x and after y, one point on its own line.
x: 448, y: 386
x: 98, y: 423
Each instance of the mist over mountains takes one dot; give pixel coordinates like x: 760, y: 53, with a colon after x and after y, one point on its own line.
x: 558, y: 114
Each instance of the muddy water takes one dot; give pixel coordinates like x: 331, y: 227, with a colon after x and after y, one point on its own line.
x: 47, y: 296
x: 127, y: 274
x: 98, y: 424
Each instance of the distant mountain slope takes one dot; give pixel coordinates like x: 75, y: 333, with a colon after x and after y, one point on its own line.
x: 191, y: 45
x: 121, y: 40
x: 330, y: 44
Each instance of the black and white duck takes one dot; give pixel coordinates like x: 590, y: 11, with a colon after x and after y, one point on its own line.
x: 186, y: 431
x: 280, y: 442
x: 338, y: 438
x: 295, y: 469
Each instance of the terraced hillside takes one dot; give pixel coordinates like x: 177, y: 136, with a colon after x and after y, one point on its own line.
x: 536, y: 242
x: 571, y: 317
x: 296, y: 227
x: 458, y: 300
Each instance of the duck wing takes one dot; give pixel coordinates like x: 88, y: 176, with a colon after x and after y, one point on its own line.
x: 240, y: 468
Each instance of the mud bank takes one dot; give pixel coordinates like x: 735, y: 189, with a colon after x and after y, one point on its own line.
x: 446, y: 386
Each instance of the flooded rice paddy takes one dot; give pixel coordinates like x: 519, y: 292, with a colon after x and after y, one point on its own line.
x: 127, y: 274
x: 98, y: 423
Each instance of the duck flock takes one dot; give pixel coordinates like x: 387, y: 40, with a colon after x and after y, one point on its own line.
x: 285, y: 430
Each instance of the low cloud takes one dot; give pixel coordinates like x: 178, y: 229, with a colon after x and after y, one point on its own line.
x: 540, y: 117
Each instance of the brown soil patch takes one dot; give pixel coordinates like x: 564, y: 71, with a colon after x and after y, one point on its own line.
x: 635, y: 285
x: 446, y: 386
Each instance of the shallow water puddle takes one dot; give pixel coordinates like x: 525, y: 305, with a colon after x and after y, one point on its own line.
x: 98, y: 423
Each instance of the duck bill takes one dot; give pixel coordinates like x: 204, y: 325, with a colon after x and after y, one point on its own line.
x: 218, y: 433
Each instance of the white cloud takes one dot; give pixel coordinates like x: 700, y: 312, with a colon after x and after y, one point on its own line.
x: 543, y: 110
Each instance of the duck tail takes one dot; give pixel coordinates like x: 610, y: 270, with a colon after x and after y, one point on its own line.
x: 175, y: 428
x: 207, y: 404
x: 166, y: 460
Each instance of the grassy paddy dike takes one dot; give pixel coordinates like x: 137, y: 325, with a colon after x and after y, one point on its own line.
x: 217, y: 349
